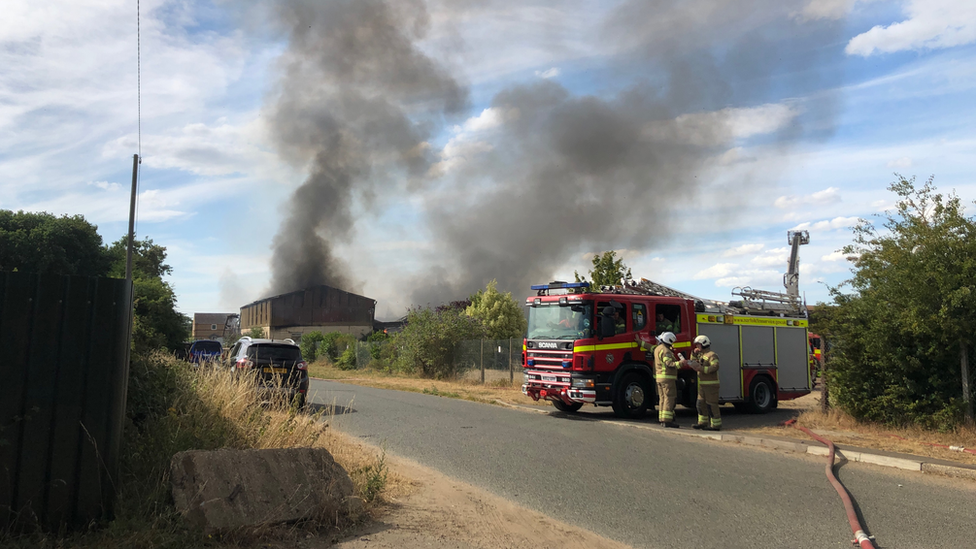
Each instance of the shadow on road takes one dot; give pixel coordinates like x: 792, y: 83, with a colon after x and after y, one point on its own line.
x: 732, y: 419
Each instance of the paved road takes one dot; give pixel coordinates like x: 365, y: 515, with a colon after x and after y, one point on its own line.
x: 650, y: 489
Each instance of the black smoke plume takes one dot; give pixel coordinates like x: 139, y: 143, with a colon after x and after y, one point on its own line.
x: 355, y: 103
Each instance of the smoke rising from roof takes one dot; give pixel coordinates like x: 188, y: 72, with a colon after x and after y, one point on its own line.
x: 546, y: 173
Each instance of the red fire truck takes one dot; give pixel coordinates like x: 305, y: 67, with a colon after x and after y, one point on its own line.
x: 574, y: 353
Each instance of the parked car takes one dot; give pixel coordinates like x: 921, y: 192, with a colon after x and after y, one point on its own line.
x: 204, y: 351
x: 277, y: 364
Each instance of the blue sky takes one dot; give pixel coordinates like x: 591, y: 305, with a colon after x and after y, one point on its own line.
x: 810, y: 107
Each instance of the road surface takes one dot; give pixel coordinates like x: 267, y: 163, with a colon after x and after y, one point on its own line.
x: 650, y: 489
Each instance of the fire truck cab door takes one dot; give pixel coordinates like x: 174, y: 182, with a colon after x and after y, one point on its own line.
x: 611, y: 348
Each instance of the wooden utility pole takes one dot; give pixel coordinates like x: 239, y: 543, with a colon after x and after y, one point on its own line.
x: 482, y: 361
x: 132, y: 218
x: 966, y: 396
x: 511, y: 371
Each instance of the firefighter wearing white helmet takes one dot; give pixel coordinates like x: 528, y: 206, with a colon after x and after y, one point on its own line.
x: 666, y: 375
x: 705, y: 361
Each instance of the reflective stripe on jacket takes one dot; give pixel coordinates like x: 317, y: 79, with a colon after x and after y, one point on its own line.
x: 665, y: 365
x: 709, y: 362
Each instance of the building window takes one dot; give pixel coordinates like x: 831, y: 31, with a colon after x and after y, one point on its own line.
x: 213, y: 326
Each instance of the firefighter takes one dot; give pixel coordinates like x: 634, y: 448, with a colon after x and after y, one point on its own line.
x: 666, y: 374
x: 705, y: 361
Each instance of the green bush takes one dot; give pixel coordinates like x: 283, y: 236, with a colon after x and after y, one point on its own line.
x: 309, y: 345
x: 347, y: 360
x: 427, y: 343
x: 898, y: 337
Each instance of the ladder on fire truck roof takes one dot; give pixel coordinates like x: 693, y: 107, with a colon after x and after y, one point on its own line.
x: 649, y: 287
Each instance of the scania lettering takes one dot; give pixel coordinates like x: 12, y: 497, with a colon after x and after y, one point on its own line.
x: 573, y: 354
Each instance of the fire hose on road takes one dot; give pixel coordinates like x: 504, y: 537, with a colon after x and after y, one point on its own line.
x: 860, y: 538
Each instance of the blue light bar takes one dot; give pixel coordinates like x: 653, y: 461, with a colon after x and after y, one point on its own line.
x: 560, y: 285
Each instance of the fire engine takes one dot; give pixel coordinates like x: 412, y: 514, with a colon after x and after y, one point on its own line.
x: 575, y: 353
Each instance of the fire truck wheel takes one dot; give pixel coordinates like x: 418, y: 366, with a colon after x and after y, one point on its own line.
x: 563, y: 407
x: 632, y: 397
x: 762, y: 396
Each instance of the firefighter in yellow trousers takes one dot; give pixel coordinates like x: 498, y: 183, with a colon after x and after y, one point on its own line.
x: 705, y: 361
x: 666, y: 374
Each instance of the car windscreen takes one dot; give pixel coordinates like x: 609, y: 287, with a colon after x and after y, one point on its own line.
x: 274, y: 352
x: 206, y: 347
x: 555, y: 321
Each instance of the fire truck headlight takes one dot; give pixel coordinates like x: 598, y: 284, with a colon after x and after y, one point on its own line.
x: 526, y: 378
x: 583, y: 382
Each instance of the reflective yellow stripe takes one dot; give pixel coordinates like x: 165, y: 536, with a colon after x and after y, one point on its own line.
x: 664, y: 376
x: 708, y: 382
x: 682, y: 344
x: 523, y: 346
x: 607, y: 347
x: 753, y: 321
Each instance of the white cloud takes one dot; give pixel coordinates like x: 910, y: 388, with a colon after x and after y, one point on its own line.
x: 903, y: 163
x: 834, y: 256
x: 548, y: 73
x: 755, y: 278
x: 105, y: 185
x: 715, y: 271
x: 775, y: 257
x: 829, y: 195
x: 743, y: 250
x: 831, y: 224
x: 931, y: 24
x: 711, y: 128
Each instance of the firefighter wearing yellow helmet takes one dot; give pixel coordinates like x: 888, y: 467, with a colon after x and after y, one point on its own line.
x: 705, y: 361
x: 666, y: 375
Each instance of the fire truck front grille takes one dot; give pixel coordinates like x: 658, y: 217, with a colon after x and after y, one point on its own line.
x: 558, y: 360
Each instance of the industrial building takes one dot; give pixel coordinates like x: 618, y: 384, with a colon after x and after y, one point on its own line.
x: 315, y: 309
x: 216, y: 326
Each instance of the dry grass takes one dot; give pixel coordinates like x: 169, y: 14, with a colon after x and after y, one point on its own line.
x: 173, y: 407
x: 469, y: 387
x: 841, y: 428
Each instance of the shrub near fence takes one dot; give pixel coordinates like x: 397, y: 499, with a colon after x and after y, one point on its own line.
x: 479, y: 360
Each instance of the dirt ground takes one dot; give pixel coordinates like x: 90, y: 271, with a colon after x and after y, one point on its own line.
x: 438, y: 511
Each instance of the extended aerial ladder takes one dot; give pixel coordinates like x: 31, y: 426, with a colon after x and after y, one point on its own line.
x: 767, y: 302
x: 756, y: 302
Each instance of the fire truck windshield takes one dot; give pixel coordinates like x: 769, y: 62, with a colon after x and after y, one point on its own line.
x: 552, y: 321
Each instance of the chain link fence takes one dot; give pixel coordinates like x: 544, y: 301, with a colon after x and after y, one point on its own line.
x: 488, y: 361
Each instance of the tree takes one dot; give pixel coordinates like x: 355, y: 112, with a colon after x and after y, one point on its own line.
x: 157, y: 323
x: 498, y: 312
x: 429, y: 339
x: 901, y: 339
x: 43, y: 243
x: 607, y: 270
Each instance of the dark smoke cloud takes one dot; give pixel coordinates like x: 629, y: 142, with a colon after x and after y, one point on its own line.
x: 356, y: 103
x: 569, y: 174
x: 563, y: 173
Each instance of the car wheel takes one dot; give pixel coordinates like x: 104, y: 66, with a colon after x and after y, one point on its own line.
x: 762, y: 396
x: 563, y: 407
x: 632, y: 397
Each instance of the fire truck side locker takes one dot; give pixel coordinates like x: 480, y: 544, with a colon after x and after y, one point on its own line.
x: 780, y: 351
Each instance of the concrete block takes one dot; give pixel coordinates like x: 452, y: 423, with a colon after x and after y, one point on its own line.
x: 948, y: 470
x: 752, y: 441
x: 227, y: 489
x: 887, y: 461
x: 731, y: 438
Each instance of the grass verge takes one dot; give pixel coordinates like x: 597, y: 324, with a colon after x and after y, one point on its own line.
x: 841, y: 428
x: 172, y: 407
x: 498, y: 387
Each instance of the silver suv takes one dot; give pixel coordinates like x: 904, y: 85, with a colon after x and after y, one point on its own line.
x: 277, y: 364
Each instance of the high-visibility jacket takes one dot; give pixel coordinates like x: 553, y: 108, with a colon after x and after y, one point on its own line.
x: 665, y: 365
x: 709, y: 363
